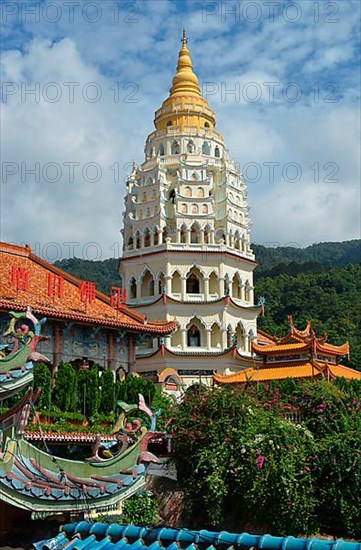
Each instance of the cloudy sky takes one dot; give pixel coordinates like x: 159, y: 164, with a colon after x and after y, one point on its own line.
x: 81, y: 81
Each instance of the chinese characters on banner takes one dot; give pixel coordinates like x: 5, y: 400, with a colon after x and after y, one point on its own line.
x: 55, y: 285
x: 117, y: 296
x: 19, y: 278
x: 87, y: 292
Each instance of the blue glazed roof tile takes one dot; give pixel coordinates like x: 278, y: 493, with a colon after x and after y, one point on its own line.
x: 99, y: 536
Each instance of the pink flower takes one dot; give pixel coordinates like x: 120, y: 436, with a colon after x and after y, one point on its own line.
x: 260, y: 461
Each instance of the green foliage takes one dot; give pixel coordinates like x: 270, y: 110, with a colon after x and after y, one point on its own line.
x: 244, y: 466
x: 107, y: 401
x: 166, y: 404
x: 140, y: 509
x: 88, y: 398
x: 42, y: 379
x: 338, y: 477
x: 129, y: 389
x: 65, y: 390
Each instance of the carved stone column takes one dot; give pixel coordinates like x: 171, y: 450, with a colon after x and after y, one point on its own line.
x: 184, y: 288
x: 209, y: 336
x: 206, y: 289
x: 184, y: 338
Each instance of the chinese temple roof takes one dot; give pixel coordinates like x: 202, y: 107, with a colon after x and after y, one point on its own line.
x: 281, y: 371
x: 296, y: 341
x: 27, y: 280
x: 99, y: 535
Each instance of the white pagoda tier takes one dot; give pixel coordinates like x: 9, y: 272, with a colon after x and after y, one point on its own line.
x: 186, y: 251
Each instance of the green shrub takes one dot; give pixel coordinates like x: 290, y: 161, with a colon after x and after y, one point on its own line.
x: 140, y: 509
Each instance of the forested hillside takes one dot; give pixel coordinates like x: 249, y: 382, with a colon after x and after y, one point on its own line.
x: 321, y: 282
x: 328, y: 254
x: 331, y: 299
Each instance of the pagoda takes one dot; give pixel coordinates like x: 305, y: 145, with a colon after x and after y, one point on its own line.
x: 186, y: 243
x: 299, y: 354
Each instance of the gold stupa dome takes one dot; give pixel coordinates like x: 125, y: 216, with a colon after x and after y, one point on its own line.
x: 185, y: 107
x: 185, y: 82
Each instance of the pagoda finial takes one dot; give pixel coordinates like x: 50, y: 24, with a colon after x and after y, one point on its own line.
x: 184, y: 37
x: 185, y: 82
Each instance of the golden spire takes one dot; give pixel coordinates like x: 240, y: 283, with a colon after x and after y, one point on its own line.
x: 185, y: 82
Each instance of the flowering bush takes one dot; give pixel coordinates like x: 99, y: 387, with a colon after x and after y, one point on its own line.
x: 244, y: 466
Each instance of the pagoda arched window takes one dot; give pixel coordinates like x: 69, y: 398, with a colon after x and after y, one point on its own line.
x: 190, y: 146
x: 200, y: 192
x: 194, y: 209
x: 169, y: 123
x: 230, y: 337
x: 206, y: 149
x: 147, y: 238
x: 187, y: 192
x: 206, y: 124
x: 213, y: 283
x: 161, y: 149
x: 184, y: 209
x: 130, y: 243
x: 204, y: 209
x: 241, y: 341
x: 133, y: 288
x: 220, y: 236
x: 194, y: 337
x: 183, y: 235
x: 195, y: 230
x: 156, y: 237
x: 236, y: 287
x: 216, y: 337
x: 193, y: 284
x: 217, y: 152
x: 137, y: 241
x: 161, y: 284
x: 147, y: 284
x: 175, y: 148
x: 176, y: 283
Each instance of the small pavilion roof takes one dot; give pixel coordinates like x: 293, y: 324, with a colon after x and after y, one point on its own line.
x: 296, y: 341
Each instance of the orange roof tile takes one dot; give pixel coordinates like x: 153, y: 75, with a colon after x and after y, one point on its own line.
x: 303, y: 369
x: 340, y: 370
x: 334, y: 350
x: 70, y: 305
x: 300, y: 370
x: 264, y: 338
x: 280, y: 348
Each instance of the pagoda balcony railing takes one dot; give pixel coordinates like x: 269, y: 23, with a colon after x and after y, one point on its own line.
x: 174, y: 108
x: 181, y: 247
x: 188, y: 130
